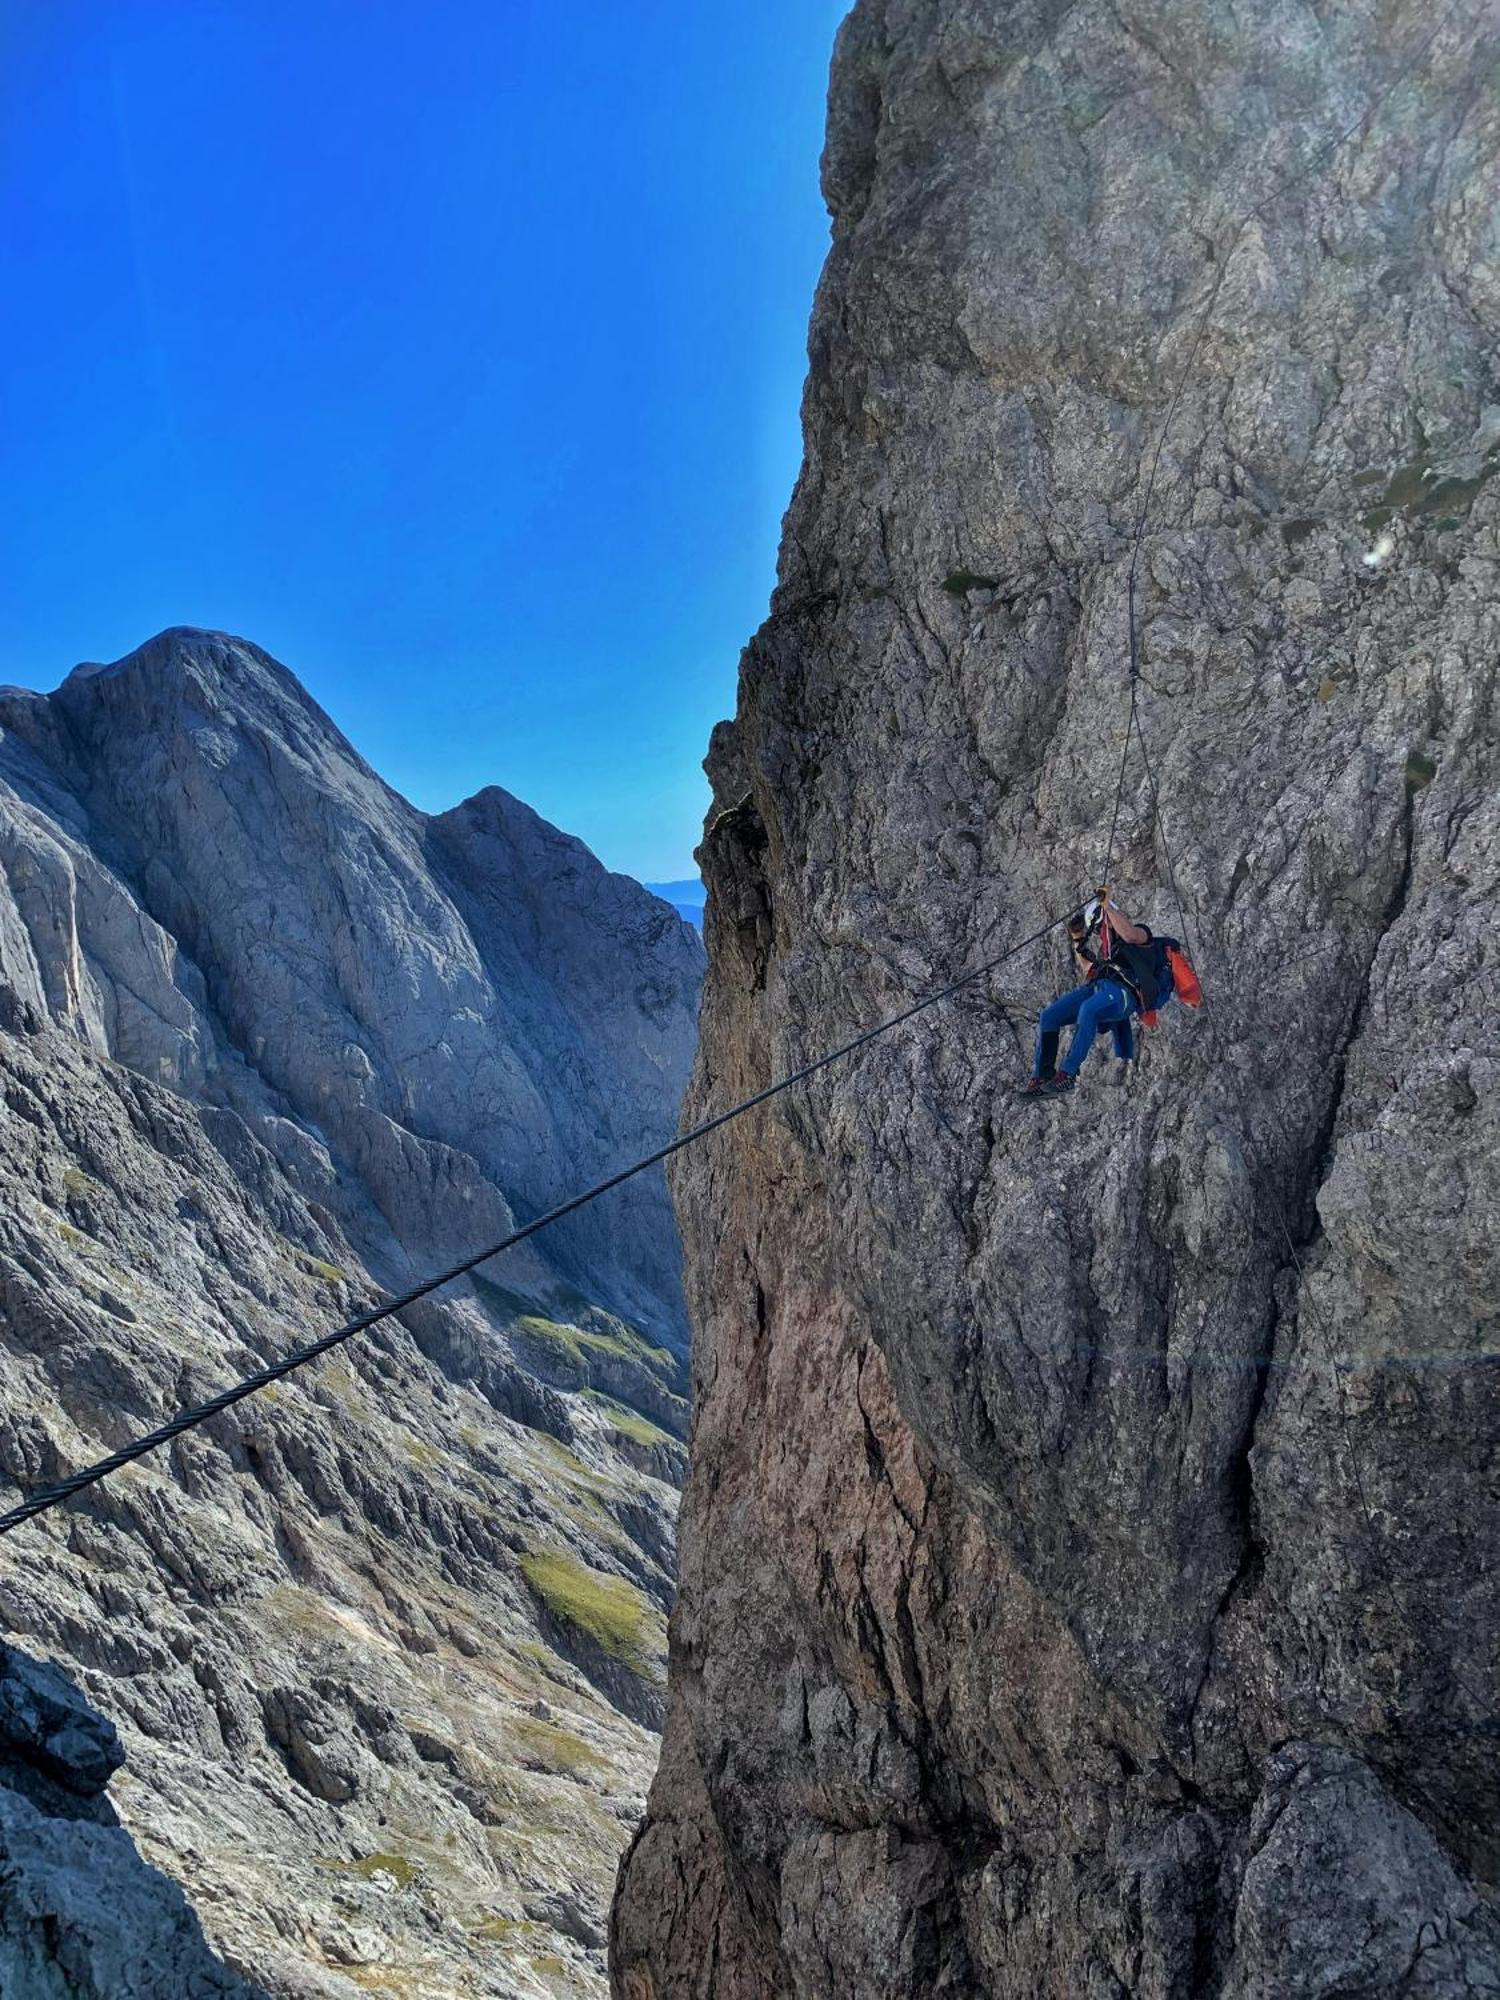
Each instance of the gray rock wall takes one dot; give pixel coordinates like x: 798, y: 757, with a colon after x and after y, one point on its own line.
x: 476, y: 986
x: 1084, y: 1589
x: 383, y: 1645
x: 81, y: 1915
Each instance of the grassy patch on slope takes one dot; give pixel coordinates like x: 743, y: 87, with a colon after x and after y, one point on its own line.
x: 546, y: 1747
x: 575, y: 1342
x: 606, y: 1609
x: 629, y: 1423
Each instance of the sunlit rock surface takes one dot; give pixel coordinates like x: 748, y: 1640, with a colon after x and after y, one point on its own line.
x: 384, y: 1644
x: 1086, y: 1591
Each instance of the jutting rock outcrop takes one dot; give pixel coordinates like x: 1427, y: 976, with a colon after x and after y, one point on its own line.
x: 1087, y: 1580
x: 382, y: 1645
x: 81, y: 1916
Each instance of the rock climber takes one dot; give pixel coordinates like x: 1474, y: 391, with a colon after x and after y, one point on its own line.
x: 1132, y: 973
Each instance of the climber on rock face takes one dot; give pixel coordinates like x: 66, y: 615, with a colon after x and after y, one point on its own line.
x: 1130, y: 974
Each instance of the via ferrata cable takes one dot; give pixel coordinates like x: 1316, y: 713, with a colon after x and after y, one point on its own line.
x: 65, y: 1489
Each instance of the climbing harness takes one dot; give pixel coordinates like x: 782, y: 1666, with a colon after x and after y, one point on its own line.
x: 1152, y: 973
x: 1185, y: 983
x: 1135, y: 967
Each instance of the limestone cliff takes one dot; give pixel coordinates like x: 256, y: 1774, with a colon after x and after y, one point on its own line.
x: 81, y: 1915
x: 383, y: 1644
x: 1085, y: 1589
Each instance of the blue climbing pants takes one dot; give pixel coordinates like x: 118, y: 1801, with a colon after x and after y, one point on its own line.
x: 1087, y: 1009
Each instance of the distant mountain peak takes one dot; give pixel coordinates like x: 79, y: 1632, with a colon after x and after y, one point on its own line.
x: 273, y: 1041
x: 688, y: 898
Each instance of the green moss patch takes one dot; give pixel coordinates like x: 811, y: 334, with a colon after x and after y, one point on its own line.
x: 629, y: 1423
x: 1460, y: 493
x: 1406, y: 485
x: 574, y: 1344
x: 397, y: 1867
x: 316, y: 1268
x: 499, y: 1930
x: 401, y: 1871
x: 606, y: 1609
x: 546, y: 1747
x: 626, y: 1345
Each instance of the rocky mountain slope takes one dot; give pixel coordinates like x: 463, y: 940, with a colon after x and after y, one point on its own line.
x: 382, y: 1645
x: 81, y: 1915
x: 1086, y: 1585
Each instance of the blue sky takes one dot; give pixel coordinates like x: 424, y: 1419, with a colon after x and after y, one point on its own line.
x: 452, y: 353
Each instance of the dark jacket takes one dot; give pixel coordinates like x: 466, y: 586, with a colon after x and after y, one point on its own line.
x: 1143, y: 969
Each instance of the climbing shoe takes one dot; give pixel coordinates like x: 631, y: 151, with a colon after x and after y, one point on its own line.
x: 1035, y: 1086
x: 1059, y: 1085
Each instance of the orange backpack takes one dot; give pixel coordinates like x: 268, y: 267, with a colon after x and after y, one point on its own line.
x: 1184, y: 979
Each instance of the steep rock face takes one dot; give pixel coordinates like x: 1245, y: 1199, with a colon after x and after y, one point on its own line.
x: 1084, y: 1585
x: 81, y: 1916
x: 475, y: 983
x: 383, y: 1645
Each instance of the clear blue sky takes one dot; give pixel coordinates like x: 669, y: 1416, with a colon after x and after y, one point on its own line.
x: 451, y: 352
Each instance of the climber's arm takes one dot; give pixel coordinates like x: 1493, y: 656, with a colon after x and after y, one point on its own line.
x: 1120, y: 924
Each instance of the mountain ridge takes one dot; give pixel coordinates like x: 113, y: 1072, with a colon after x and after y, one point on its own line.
x: 160, y: 695
x: 383, y: 1643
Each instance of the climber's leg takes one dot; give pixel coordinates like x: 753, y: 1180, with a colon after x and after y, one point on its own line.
x: 1103, y: 1005
x: 1060, y: 1014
